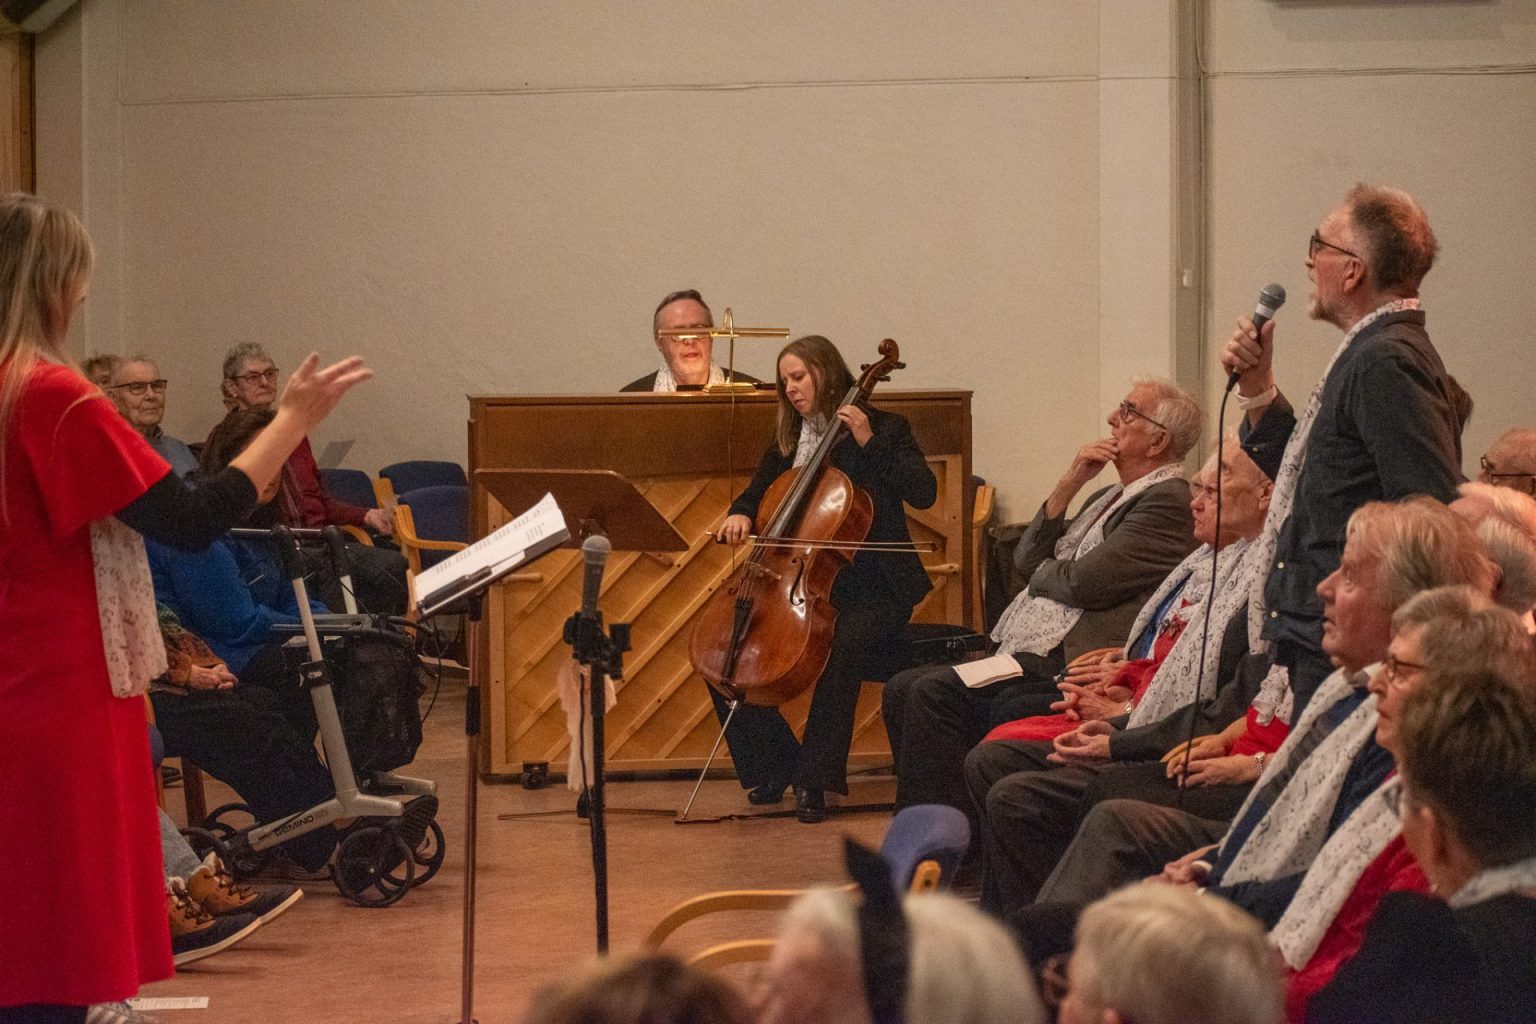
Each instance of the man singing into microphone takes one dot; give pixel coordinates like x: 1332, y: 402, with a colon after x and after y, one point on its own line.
x: 1379, y: 425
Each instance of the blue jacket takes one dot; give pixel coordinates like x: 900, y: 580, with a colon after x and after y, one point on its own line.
x: 231, y: 595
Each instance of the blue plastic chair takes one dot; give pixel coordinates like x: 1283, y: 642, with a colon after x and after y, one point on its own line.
x: 433, y: 516
x: 925, y: 832
x: 413, y: 476
x: 352, y: 486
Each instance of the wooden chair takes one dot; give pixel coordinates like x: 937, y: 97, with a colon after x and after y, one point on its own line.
x: 981, y: 515
x: 193, y: 798
x: 412, y: 543
x: 924, y: 844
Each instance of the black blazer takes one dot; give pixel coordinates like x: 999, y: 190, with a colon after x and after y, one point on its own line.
x: 892, y: 469
x: 648, y: 382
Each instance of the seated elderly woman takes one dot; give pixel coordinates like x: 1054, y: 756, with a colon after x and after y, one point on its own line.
x: 1468, y: 806
x: 239, y: 710
x: 928, y: 957
x: 1157, y: 955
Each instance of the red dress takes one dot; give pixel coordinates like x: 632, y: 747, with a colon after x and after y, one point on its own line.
x: 82, y: 894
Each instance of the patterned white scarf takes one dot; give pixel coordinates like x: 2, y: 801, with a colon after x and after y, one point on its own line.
x: 1294, y: 828
x: 1283, y: 499
x: 1039, y: 624
x: 666, y: 382
x: 1500, y: 881
x: 1175, y: 682
x: 125, y: 603
x: 1334, y: 875
x: 812, y: 430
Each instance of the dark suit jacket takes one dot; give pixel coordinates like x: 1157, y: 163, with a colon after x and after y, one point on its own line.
x: 648, y: 382
x: 1386, y: 428
x: 1144, y: 540
x: 892, y: 469
x: 1422, y: 961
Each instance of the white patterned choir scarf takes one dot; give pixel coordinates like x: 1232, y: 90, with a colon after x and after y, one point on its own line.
x: 1283, y: 498
x: 1500, y: 881
x: 1334, y: 874
x: 812, y: 430
x: 1038, y: 624
x: 666, y: 382
x: 1178, y: 680
x: 125, y: 603
x: 1294, y: 827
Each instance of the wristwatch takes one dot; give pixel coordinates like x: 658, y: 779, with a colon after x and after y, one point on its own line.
x: 1258, y: 759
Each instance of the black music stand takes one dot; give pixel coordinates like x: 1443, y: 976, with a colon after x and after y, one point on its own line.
x: 595, y: 502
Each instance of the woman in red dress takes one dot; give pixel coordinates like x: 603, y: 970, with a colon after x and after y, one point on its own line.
x: 82, y: 904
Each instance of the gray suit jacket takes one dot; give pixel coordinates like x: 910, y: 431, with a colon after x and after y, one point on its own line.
x: 1144, y: 540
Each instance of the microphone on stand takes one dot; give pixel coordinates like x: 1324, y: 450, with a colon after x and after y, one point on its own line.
x: 594, y: 552
x: 1270, y: 300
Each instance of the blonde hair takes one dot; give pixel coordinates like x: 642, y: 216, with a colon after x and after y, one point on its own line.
x: 1421, y: 544
x: 1157, y: 954
x: 45, y: 257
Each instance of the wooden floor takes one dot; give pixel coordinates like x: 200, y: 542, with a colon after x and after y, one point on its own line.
x: 327, y: 960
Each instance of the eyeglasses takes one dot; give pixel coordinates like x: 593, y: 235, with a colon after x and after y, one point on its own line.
x: 137, y: 388
x: 1128, y: 410
x: 256, y: 377
x: 1393, y: 668
x: 1318, y: 242
x: 1492, y: 474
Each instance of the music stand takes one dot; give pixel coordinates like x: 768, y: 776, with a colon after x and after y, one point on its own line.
x: 595, y: 502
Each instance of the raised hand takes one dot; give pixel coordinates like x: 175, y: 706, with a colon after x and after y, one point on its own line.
x: 1250, y: 353
x: 312, y: 391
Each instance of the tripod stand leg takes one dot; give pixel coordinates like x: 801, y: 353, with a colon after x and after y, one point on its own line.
x: 711, y: 759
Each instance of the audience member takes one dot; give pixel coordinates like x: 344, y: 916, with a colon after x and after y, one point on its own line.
x: 1468, y: 809
x: 1505, y: 521
x: 139, y: 391
x: 1088, y: 578
x: 1380, y: 425
x: 962, y: 968
x: 98, y: 369
x: 1511, y: 461
x: 1028, y: 802
x: 1327, y: 766
x: 378, y: 573
x: 687, y: 360
x: 1436, y: 634
x: 1158, y: 955
x: 638, y: 990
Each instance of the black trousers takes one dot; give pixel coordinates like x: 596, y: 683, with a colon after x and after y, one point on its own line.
x: 933, y: 720
x: 258, y: 739
x: 42, y: 1013
x: 764, y: 748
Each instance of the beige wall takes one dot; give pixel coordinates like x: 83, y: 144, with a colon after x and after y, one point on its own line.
x: 492, y: 197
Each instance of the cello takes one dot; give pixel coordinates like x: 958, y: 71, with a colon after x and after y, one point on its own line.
x: 765, y: 635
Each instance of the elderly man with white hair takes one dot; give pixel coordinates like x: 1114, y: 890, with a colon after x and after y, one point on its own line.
x: 1088, y: 578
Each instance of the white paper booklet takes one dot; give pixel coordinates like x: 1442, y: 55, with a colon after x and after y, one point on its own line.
x: 986, y: 671
x: 522, y: 540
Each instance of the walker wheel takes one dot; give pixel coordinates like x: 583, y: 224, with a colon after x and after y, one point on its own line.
x: 428, y: 855
x: 227, y: 819
x: 366, y: 863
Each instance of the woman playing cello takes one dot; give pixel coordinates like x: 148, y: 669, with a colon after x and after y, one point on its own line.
x: 874, y: 595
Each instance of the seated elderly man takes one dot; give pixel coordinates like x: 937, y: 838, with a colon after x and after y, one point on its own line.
x: 1511, y: 461
x: 98, y: 369
x: 138, y: 389
x: 1328, y: 765
x: 1468, y: 812
x: 1437, y: 636
x: 1013, y: 773
x: 1088, y: 578
x: 250, y: 382
x: 687, y: 360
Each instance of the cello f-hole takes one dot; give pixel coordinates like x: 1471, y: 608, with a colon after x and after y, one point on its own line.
x: 797, y: 588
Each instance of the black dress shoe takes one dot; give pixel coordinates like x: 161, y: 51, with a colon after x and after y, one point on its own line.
x: 810, y: 805
x: 767, y: 793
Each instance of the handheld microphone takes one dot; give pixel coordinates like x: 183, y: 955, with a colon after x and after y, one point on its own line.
x: 594, y: 552
x: 1270, y: 300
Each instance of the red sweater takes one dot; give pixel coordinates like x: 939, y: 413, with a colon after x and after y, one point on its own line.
x: 303, y: 500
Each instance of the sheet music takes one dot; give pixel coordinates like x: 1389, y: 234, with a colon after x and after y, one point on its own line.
x: 531, y: 534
